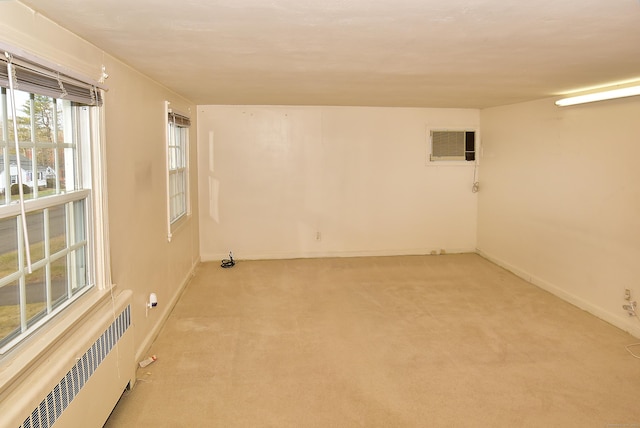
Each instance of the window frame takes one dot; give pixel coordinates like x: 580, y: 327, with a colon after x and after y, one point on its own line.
x: 177, y: 165
x: 53, y: 307
x: 86, y: 135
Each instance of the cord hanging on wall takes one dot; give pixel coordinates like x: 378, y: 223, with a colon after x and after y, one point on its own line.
x: 476, y: 184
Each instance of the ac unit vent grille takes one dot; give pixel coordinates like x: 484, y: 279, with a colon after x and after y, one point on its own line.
x: 452, y: 145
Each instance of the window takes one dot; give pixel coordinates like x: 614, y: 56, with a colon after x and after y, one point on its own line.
x: 177, y: 168
x: 46, y: 226
x: 447, y: 145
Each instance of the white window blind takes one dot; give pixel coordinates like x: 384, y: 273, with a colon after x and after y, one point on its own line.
x: 31, y: 77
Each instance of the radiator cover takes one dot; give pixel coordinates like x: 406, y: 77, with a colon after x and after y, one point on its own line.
x: 100, y: 364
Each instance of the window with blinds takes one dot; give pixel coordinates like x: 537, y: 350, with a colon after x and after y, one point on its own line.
x: 48, y: 137
x: 178, y: 206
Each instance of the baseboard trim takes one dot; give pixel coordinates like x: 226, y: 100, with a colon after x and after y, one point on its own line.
x: 630, y: 325
x: 210, y: 257
x: 153, y: 334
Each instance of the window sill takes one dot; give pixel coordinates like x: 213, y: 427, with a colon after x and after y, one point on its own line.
x: 17, y: 362
x: 178, y: 225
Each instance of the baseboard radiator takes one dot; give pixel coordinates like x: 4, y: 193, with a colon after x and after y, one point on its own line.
x: 82, y: 391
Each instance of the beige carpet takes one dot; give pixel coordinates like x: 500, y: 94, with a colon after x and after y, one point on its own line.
x: 434, y: 341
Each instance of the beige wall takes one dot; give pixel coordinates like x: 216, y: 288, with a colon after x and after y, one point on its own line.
x: 141, y: 256
x: 560, y: 202
x: 142, y: 259
x: 275, y: 179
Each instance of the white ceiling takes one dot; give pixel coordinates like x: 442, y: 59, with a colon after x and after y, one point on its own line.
x: 423, y: 53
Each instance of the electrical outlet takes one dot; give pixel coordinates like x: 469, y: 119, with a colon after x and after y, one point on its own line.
x: 630, y: 308
x: 627, y: 294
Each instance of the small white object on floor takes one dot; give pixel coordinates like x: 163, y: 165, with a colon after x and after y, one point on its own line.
x: 147, y: 361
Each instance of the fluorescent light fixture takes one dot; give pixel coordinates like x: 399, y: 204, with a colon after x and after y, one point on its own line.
x: 600, y: 96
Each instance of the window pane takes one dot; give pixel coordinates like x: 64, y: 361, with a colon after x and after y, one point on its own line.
x: 35, y: 227
x: 36, y: 296
x: 184, y: 132
x: 59, y: 167
x: 172, y: 183
x: 4, y: 174
x: 177, y: 189
x: 57, y: 229
x: 44, y: 117
x: 46, y: 172
x: 23, y: 121
x: 67, y: 167
x: 178, y: 150
x: 3, y: 98
x: 79, y: 234
x: 78, y: 266
x: 26, y: 173
x: 8, y: 246
x: 173, y: 157
x: 59, y: 128
x: 59, y: 281
x: 9, y: 311
x: 172, y: 195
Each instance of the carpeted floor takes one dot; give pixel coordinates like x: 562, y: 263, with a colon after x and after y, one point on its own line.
x: 421, y: 341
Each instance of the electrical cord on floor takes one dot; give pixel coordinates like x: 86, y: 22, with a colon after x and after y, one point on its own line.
x: 228, y: 263
x: 630, y: 351
x: 628, y: 347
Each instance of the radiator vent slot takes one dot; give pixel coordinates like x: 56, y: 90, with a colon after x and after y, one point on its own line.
x: 52, y: 406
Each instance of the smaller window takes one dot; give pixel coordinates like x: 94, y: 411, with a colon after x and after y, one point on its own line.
x: 453, y: 145
x: 177, y: 168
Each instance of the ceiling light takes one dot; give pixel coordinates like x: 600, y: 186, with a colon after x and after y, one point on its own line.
x: 600, y: 96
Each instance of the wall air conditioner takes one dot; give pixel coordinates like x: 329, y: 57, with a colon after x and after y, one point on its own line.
x: 453, y: 145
